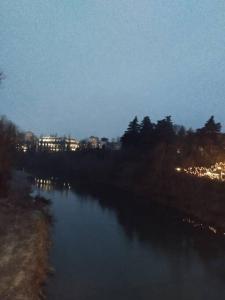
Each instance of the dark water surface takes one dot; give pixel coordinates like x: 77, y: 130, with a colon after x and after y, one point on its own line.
x: 103, y: 251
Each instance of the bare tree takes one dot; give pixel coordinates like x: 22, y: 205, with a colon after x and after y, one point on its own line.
x: 2, y: 76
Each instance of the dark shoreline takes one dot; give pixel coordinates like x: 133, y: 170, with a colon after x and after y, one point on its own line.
x: 194, y: 207
x: 210, y: 220
x: 24, y: 228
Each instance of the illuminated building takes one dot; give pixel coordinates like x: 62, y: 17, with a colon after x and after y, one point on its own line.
x: 57, y: 144
x: 71, y: 144
x: 94, y: 142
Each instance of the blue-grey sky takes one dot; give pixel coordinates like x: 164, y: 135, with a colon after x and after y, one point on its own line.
x: 87, y: 67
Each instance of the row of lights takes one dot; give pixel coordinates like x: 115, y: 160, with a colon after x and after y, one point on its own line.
x: 48, y: 184
x: 215, y: 172
x: 200, y: 225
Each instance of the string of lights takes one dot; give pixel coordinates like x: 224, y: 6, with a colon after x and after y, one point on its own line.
x: 214, y: 172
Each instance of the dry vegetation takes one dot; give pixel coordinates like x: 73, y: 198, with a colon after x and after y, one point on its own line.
x: 24, y: 243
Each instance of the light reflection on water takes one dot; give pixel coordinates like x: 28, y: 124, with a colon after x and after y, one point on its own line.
x: 107, y: 249
x: 50, y: 184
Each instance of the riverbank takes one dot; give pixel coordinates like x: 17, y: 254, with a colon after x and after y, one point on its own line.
x: 199, y: 200
x: 24, y: 242
x: 148, y: 178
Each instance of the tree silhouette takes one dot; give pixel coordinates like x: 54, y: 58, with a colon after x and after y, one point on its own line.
x: 2, y: 76
x: 146, y: 132
x: 164, y: 130
x: 9, y: 139
x: 211, y: 127
x: 210, y: 133
x: 131, y: 135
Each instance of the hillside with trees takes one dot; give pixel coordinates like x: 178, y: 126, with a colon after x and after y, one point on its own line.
x: 146, y: 165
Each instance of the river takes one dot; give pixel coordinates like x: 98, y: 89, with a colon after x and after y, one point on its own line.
x: 103, y: 250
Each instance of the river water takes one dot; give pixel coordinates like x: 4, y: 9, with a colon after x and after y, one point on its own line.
x: 103, y: 250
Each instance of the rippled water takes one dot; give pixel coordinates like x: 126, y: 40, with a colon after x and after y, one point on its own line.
x: 104, y: 248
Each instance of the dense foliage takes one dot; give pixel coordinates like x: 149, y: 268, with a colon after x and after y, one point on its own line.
x: 9, y: 139
x: 147, y: 150
x: 204, y: 146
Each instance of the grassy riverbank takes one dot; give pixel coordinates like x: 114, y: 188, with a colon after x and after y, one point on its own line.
x: 24, y: 242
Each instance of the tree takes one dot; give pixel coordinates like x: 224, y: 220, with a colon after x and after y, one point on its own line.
x: 210, y: 127
x: 210, y: 132
x: 146, y: 132
x: 180, y: 131
x: 146, y: 126
x: 164, y: 130
x: 2, y: 76
x: 131, y: 136
x: 9, y: 140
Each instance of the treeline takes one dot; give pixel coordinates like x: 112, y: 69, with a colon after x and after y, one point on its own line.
x: 145, y: 167
x: 10, y: 137
x: 203, y: 146
x: 148, y: 150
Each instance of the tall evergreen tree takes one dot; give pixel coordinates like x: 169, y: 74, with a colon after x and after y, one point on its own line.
x: 210, y: 132
x: 164, y: 130
x: 131, y: 136
x: 146, y: 126
x: 211, y: 127
x: 146, y: 132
